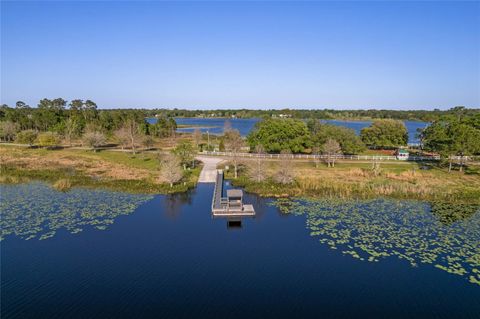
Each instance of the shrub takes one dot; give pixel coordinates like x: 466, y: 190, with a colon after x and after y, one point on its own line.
x: 94, y: 139
x: 48, y: 139
x: 26, y: 137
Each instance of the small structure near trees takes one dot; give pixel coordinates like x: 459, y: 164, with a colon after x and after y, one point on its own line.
x: 402, y: 154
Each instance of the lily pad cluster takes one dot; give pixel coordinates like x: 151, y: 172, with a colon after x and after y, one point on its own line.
x: 443, y: 235
x: 36, y: 210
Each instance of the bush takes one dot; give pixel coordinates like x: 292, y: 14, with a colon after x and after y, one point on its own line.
x: 26, y: 137
x: 48, y: 139
x: 94, y: 139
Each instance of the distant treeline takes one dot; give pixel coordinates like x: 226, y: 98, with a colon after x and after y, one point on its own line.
x: 56, y: 120
x: 414, y: 115
x: 59, y: 115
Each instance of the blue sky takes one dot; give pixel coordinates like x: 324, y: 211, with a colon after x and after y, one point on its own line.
x: 401, y: 55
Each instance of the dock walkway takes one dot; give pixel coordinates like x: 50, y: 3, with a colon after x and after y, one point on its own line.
x: 209, y: 170
x: 220, y: 207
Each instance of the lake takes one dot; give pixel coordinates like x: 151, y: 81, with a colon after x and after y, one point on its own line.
x: 244, y: 126
x: 99, y: 254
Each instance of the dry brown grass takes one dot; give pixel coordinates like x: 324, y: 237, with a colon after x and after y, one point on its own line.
x: 404, y: 180
x: 62, y: 184
x: 54, y: 160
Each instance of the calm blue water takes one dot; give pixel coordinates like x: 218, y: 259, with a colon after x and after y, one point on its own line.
x: 244, y: 126
x: 165, y: 257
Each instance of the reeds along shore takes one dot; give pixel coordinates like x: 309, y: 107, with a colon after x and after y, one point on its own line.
x: 404, y: 181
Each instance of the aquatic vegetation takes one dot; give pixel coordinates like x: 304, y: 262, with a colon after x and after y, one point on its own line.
x: 36, y: 210
x: 444, y: 235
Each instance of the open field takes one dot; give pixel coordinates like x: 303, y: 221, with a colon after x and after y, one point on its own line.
x: 138, y: 173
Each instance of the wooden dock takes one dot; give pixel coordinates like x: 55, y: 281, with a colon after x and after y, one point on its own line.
x: 230, y: 206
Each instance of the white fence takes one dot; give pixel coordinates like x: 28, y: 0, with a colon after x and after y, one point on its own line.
x: 312, y: 157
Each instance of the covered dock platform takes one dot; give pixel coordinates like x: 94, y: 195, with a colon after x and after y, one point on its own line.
x: 232, y: 205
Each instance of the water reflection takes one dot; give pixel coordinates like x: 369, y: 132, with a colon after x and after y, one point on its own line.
x: 173, y: 203
x: 36, y: 210
x: 233, y: 224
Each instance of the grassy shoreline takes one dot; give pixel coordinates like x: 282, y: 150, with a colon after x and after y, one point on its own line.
x: 64, y: 169
x: 356, y: 181
x: 140, y: 173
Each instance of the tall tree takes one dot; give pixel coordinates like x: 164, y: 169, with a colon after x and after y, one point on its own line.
x: 197, y: 137
x: 89, y: 110
x: 346, y: 137
x: 21, y: 105
x: 280, y: 134
x: 122, y: 137
x: 331, y: 148
x: 170, y: 170
x: 284, y: 174
x: 233, y: 144
x: 185, y: 152
x: 452, y: 136
x: 385, y: 133
x: 316, y: 151
x: 257, y: 168
x: 72, y: 129
x: 94, y: 139
x: 8, y: 130
x: 131, y: 128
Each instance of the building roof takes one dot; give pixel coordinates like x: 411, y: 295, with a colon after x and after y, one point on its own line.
x: 402, y: 151
x: 234, y: 193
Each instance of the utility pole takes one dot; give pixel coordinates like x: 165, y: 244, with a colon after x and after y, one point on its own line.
x: 208, y: 143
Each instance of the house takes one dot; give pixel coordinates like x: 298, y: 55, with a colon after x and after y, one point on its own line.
x: 402, y: 154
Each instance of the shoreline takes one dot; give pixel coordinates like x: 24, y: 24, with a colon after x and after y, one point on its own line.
x: 123, y: 171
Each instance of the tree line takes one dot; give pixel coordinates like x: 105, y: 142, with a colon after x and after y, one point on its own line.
x: 325, y: 114
x: 313, y: 136
x: 56, y: 120
x: 456, y: 134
